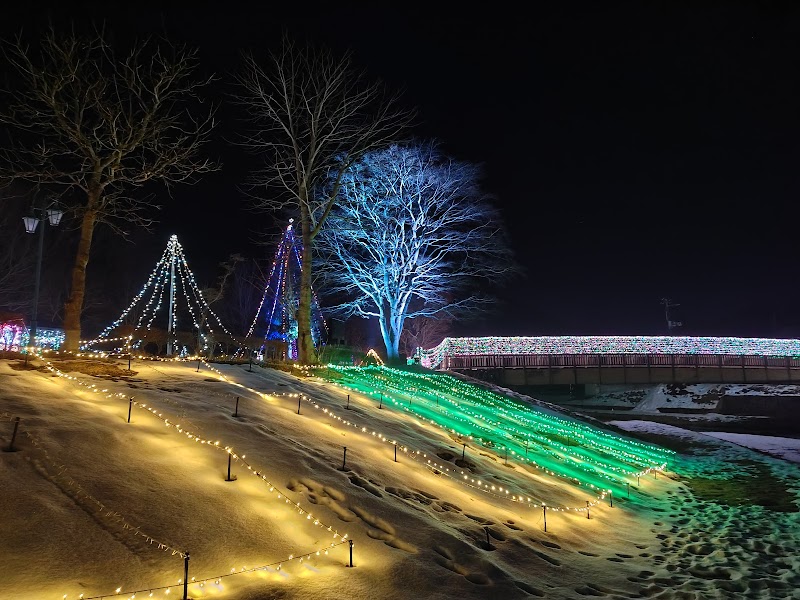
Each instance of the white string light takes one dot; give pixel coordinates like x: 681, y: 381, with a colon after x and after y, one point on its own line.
x: 173, y: 259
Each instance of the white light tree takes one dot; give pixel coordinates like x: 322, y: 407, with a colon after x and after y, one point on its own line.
x: 98, y: 125
x: 312, y: 116
x: 411, y: 236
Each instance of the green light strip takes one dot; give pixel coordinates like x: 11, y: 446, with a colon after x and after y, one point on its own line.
x: 583, y: 455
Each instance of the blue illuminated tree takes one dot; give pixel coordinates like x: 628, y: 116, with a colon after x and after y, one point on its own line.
x: 411, y: 236
x: 281, y: 299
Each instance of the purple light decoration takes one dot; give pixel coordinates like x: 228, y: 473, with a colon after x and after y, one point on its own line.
x: 13, y: 335
x: 281, y: 296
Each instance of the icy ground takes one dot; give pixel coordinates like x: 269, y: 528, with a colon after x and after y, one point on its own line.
x: 649, y: 399
x: 786, y: 448
x: 91, y: 503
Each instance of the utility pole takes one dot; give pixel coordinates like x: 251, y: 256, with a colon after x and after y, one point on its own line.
x: 670, y: 323
x: 51, y: 213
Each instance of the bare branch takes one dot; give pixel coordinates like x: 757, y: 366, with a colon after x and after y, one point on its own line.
x: 82, y: 116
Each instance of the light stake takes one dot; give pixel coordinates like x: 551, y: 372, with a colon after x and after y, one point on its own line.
x: 13, y: 436
x: 229, y: 478
x: 186, y: 577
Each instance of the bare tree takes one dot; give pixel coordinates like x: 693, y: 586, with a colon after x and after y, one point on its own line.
x: 313, y: 115
x: 99, y: 125
x: 424, y: 332
x: 247, y: 291
x: 215, y: 294
x: 410, y: 234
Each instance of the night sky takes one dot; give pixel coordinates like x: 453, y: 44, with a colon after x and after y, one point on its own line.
x: 637, y: 151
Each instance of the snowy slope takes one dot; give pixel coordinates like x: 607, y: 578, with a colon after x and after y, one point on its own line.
x: 91, y: 503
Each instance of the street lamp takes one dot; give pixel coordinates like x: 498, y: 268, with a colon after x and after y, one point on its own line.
x: 53, y: 214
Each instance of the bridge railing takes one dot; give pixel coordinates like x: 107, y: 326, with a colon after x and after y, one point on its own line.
x: 511, y: 361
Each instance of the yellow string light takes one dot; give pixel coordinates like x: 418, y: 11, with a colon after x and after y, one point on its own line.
x: 430, y: 464
x: 437, y: 468
x: 343, y: 537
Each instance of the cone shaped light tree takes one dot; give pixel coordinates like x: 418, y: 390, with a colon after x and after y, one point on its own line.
x: 171, y: 285
x: 279, y: 302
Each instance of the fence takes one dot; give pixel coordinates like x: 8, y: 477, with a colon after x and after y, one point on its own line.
x: 555, y: 361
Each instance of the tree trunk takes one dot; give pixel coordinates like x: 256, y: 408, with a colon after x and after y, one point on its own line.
x: 306, y: 353
x: 390, y: 340
x: 74, y: 304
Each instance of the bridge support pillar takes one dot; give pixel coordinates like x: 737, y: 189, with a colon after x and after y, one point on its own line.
x: 624, y: 370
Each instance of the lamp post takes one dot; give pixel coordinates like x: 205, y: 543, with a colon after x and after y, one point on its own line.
x: 53, y: 214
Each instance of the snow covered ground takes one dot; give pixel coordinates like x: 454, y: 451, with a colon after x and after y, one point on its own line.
x: 657, y: 398
x: 786, y: 448
x: 92, y: 503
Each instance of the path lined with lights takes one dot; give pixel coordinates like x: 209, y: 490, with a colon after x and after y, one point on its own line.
x: 62, y: 476
x: 241, y: 459
x: 200, y: 584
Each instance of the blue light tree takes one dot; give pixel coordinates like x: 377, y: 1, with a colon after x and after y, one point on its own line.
x: 281, y: 299
x: 410, y: 236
